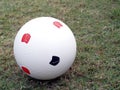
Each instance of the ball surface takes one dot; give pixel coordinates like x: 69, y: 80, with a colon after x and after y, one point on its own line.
x: 44, y: 48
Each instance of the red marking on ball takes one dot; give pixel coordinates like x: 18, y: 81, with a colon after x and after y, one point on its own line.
x: 57, y: 24
x: 26, y: 70
x: 26, y: 37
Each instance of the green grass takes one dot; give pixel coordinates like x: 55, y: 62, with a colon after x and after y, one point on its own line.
x: 96, y: 26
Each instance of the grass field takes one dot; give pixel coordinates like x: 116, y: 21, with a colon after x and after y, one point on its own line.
x: 96, y: 26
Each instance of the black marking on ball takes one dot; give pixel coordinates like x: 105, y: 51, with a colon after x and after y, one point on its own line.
x: 55, y: 60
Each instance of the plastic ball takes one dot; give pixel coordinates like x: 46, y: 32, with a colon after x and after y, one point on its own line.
x: 44, y: 48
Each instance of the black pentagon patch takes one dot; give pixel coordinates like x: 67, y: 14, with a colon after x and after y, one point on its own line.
x: 55, y: 60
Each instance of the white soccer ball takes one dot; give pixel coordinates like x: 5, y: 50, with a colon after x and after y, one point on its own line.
x: 45, y: 48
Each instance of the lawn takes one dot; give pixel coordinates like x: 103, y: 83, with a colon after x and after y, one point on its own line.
x: 96, y: 26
